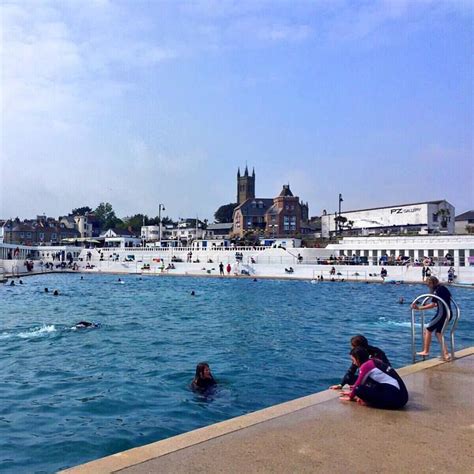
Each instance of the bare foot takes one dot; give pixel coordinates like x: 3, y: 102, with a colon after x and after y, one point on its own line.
x: 361, y: 402
x: 423, y: 353
x: 447, y: 357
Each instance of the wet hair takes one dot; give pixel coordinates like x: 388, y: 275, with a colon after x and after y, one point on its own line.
x: 433, y: 280
x: 200, y: 370
x: 46, y: 290
x: 360, y: 354
x: 359, y: 341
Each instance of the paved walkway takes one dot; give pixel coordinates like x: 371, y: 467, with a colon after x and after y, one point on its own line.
x: 435, y: 433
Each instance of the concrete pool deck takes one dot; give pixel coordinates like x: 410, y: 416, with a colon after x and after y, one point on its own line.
x: 318, y: 433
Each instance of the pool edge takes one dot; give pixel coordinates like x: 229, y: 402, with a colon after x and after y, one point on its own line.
x: 135, y: 456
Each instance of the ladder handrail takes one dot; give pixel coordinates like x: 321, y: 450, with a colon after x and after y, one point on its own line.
x: 454, y: 325
x: 445, y: 325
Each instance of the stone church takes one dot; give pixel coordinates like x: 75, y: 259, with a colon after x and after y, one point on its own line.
x: 281, y: 216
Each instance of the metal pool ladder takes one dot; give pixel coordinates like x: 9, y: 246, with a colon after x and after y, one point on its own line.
x: 449, y: 320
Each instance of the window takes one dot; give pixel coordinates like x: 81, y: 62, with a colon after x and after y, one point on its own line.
x: 54, y: 236
x: 41, y: 235
x: 22, y: 234
x: 435, y: 217
x: 293, y: 222
x: 28, y: 235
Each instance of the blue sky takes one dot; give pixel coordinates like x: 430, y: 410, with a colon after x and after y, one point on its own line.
x: 146, y: 102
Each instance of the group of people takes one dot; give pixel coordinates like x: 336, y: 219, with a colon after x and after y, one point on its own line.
x: 371, y: 379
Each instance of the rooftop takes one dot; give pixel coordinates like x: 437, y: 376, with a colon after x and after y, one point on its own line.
x: 465, y: 216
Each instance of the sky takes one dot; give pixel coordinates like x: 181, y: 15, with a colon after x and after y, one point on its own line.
x: 140, y: 103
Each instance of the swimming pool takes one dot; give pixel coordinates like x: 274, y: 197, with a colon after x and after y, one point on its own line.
x: 70, y: 396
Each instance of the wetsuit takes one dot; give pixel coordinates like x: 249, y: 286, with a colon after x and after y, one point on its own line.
x: 203, y: 384
x: 380, y: 386
x: 375, y: 353
x: 437, y: 323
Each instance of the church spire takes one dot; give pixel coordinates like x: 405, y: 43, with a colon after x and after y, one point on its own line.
x: 238, y: 172
x: 246, y: 170
x: 253, y: 172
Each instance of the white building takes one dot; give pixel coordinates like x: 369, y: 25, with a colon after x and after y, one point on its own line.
x: 464, y: 223
x: 219, y: 231
x: 421, y: 218
x: 119, y: 238
x: 83, y: 226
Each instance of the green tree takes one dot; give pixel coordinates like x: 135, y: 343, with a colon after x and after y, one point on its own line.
x: 81, y: 211
x: 224, y: 213
x: 106, y: 217
x: 135, y: 222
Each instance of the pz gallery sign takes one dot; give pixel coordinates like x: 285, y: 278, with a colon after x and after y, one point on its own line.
x: 387, y: 217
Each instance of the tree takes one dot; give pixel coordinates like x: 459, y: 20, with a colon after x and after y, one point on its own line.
x: 134, y: 223
x: 106, y: 217
x: 224, y: 213
x: 165, y: 220
x: 444, y: 215
x: 81, y: 211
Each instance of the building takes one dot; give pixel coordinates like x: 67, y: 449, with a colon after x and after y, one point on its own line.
x: 40, y: 231
x: 464, y: 223
x: 284, y: 216
x: 219, y: 231
x: 119, y: 238
x: 245, y: 186
x: 281, y: 216
x: 418, y: 218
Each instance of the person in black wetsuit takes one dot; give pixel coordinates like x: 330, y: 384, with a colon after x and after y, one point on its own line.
x: 86, y: 325
x: 203, y: 378
x: 374, y: 352
x: 437, y: 323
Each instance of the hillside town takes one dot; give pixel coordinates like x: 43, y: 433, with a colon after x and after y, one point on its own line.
x: 250, y: 220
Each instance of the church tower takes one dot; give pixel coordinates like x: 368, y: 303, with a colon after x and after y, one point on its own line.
x: 245, y: 186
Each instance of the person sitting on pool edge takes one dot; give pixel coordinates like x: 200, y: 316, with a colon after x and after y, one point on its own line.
x: 374, y: 352
x: 203, y: 378
x: 378, y: 384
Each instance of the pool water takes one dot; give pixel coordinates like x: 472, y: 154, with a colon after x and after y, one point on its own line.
x: 69, y: 396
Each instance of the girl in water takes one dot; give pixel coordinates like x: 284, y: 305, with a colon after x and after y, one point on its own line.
x: 378, y: 385
x: 203, y: 378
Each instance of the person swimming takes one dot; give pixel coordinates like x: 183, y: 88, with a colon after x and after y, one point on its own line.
x: 56, y: 293
x: 12, y: 283
x: 203, y: 378
x: 46, y: 290
x: 193, y: 293
x: 86, y: 325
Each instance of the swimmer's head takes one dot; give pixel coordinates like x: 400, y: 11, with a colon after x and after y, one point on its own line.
x: 432, y: 282
x: 46, y: 290
x: 193, y: 293
x: 359, y: 355
x: 56, y: 293
x: 203, y: 371
x: 359, y: 341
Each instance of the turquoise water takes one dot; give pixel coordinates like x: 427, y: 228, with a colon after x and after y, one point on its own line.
x: 70, y: 396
